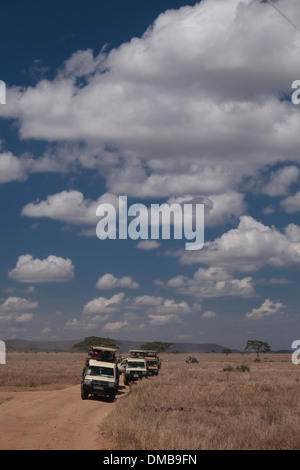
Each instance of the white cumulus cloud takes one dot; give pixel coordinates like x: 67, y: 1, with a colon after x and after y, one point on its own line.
x: 102, y: 305
x: 211, y: 282
x: 191, y: 91
x: 148, y: 245
x: 68, y: 206
x: 14, y: 310
x: 267, y: 309
x: 109, y: 281
x: 34, y: 270
x: 15, y: 304
x: 11, y: 168
x: 250, y: 246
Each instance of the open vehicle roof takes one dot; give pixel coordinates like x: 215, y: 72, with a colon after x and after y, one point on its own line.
x: 102, y: 348
x: 94, y: 362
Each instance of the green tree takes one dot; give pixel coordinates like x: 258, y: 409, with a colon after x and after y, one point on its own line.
x: 257, y: 346
x: 86, y: 344
x: 226, y: 351
x: 156, y: 346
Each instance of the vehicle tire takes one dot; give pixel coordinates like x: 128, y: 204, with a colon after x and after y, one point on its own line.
x: 84, y: 393
x: 112, y: 397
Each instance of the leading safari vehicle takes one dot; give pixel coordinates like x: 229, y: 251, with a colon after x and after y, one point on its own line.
x: 100, y: 376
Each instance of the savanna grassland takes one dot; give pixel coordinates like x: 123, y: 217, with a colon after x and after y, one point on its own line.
x: 220, y: 403
x: 46, y: 371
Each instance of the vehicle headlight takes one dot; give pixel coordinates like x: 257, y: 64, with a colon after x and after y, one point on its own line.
x: 87, y: 381
x: 111, y: 384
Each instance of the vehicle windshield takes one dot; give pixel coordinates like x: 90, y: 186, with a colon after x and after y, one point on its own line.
x: 101, y: 371
x: 152, y: 363
x: 136, y: 364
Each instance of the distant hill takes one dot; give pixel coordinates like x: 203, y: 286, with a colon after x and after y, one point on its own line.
x: 196, y: 348
x: 24, y: 344
x: 124, y: 346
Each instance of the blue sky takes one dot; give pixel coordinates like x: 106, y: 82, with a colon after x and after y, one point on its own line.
x: 164, y: 102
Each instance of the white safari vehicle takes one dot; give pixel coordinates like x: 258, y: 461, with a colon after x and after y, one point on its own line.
x: 135, y: 369
x: 100, y: 376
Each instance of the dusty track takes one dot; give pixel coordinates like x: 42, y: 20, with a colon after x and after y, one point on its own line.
x: 53, y: 420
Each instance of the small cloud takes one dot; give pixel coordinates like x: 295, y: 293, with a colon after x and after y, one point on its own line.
x: 208, y: 314
x: 148, y: 245
x: 160, y: 320
x: 279, y: 280
x: 267, y: 309
x: 268, y: 210
x: 101, y: 305
x: 24, y: 318
x: 15, y: 304
x: 30, y: 289
x: 114, y: 326
x: 46, y: 331
x: 109, y: 281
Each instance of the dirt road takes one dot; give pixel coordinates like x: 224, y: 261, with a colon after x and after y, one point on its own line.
x: 53, y: 420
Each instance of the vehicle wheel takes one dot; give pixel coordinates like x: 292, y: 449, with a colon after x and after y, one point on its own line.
x: 84, y: 393
x: 112, y: 397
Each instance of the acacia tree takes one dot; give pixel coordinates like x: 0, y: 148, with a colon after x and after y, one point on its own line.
x: 257, y: 346
x: 90, y: 341
x: 226, y: 351
x: 156, y: 345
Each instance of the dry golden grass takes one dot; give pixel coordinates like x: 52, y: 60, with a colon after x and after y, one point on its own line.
x: 48, y: 371
x: 188, y: 406
x: 201, y: 406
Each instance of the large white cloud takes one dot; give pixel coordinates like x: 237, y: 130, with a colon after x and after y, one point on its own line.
x: 68, y: 206
x: 34, y: 270
x: 250, y: 246
x: 193, y: 89
x: 211, y: 282
x: 218, y: 208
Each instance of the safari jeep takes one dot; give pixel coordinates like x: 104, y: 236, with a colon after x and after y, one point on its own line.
x: 135, y: 369
x: 152, y: 365
x: 100, y: 376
